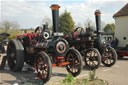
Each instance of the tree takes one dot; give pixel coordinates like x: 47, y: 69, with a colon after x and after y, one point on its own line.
x: 109, y: 28
x: 6, y: 25
x: 66, y: 22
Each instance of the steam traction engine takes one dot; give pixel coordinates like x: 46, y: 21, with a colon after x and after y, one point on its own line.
x: 109, y: 55
x: 92, y: 47
x: 38, y: 50
x: 84, y: 43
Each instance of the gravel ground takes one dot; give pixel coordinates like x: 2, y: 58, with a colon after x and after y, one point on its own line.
x: 116, y: 75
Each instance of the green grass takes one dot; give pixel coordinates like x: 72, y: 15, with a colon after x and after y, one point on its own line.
x: 69, y: 80
x: 92, y: 75
x: 91, y: 80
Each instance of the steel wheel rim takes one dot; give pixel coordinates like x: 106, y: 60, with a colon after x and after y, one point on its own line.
x: 92, y: 58
x: 41, y: 68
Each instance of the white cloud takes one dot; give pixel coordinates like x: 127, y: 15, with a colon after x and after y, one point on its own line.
x: 29, y: 13
x: 80, y: 12
x: 16, y: 8
x: 0, y: 10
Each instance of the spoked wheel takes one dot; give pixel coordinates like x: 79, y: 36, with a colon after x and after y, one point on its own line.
x: 43, y: 66
x: 109, y: 57
x: 15, y: 55
x: 75, y: 60
x: 92, y: 58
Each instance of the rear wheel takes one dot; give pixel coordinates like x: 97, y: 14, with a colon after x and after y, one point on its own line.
x: 109, y: 57
x: 15, y: 55
x: 92, y: 58
x: 75, y: 60
x: 43, y: 66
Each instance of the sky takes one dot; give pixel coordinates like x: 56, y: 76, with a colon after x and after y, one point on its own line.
x: 30, y: 13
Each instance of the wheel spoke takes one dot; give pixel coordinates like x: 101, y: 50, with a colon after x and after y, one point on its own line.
x: 89, y: 53
x: 92, y: 53
x: 94, y: 63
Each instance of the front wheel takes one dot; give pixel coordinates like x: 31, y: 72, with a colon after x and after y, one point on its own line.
x: 109, y: 57
x: 92, y: 58
x: 43, y: 66
x: 75, y: 62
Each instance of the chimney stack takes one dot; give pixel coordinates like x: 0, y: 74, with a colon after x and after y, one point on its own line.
x: 55, y: 17
x: 98, y: 21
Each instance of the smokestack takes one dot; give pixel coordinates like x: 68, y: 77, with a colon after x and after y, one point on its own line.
x: 45, y: 27
x: 98, y: 21
x: 55, y: 16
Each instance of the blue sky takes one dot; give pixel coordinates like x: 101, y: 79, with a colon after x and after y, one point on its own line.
x: 30, y: 13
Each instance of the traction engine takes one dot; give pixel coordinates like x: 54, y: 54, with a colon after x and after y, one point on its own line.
x: 43, y: 52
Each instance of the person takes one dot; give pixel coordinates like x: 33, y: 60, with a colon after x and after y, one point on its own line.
x: 114, y: 43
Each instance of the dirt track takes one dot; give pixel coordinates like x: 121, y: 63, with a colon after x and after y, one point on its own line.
x: 116, y: 75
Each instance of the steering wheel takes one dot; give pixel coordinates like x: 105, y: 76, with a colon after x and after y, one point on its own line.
x: 38, y: 29
x: 79, y: 29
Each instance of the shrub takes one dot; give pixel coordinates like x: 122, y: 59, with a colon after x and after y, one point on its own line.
x: 13, y: 34
x: 92, y: 75
x: 69, y: 80
x: 12, y: 37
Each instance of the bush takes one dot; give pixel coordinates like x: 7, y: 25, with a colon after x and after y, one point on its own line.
x: 69, y: 80
x: 13, y: 34
x: 92, y: 75
x: 12, y: 37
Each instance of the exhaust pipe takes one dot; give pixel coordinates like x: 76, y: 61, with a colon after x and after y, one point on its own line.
x: 55, y: 16
x: 98, y: 22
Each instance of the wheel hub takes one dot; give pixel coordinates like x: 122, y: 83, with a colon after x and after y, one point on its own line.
x: 12, y: 55
x: 91, y: 59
